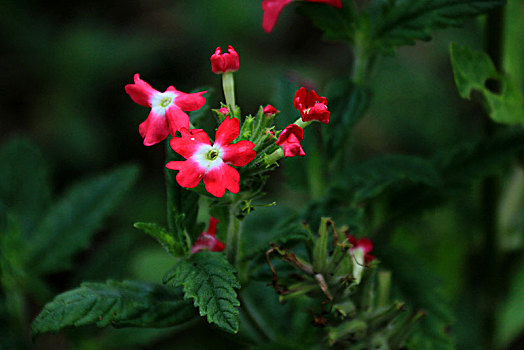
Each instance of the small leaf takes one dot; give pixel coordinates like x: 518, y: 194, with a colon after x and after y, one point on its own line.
x: 209, y: 280
x: 400, y: 22
x: 72, y: 220
x: 162, y: 236
x: 472, y: 69
x: 121, y: 304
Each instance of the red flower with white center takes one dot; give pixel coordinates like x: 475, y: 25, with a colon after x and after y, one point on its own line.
x: 210, y: 162
x: 290, y: 139
x: 272, y: 9
x: 208, y: 240
x: 311, y: 106
x: 363, y: 244
x: 224, y: 62
x: 270, y: 110
x: 167, y: 109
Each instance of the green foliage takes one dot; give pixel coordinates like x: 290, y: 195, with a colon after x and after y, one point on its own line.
x: 472, y: 70
x: 121, y: 304
x: 72, y: 220
x: 162, y: 236
x: 24, y: 182
x: 209, y: 279
x: 402, y: 22
x: 337, y: 24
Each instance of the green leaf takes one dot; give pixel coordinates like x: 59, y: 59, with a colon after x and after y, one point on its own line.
x: 121, y: 304
x: 336, y: 23
x: 24, y: 182
x: 402, y: 22
x: 72, y: 220
x: 162, y: 236
x: 472, y: 69
x: 209, y: 279
x: 510, y: 320
x: 373, y: 177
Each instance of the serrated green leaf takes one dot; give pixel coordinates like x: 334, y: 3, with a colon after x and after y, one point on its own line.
x: 24, y: 182
x: 336, y: 23
x: 371, y: 178
x: 72, y: 220
x: 209, y: 279
x: 121, y: 304
x: 402, y: 22
x: 472, y: 69
x: 162, y: 236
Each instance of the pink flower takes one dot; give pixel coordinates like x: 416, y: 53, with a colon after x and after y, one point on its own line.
x: 272, y: 9
x: 166, y: 109
x: 363, y: 244
x: 270, y: 110
x: 224, y: 62
x: 290, y: 139
x: 224, y: 111
x: 210, y: 162
x: 207, y: 240
x: 311, y: 106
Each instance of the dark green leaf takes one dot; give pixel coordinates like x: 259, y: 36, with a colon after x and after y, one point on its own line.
x: 510, y: 323
x: 72, y: 220
x: 162, y: 236
x: 121, y: 304
x: 24, y: 182
x: 402, y: 22
x: 472, y: 69
x: 210, y: 281
x: 336, y: 23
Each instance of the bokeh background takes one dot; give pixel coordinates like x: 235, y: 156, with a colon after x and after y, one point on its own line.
x: 64, y: 68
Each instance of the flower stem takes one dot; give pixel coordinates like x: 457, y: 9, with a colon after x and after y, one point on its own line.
x: 228, y: 84
x: 233, y: 236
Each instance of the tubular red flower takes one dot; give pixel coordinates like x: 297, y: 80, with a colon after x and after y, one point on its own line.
x: 364, y: 244
x: 311, y: 106
x: 208, y: 240
x: 224, y: 62
x: 270, y: 110
x: 290, y: 139
x: 211, y: 162
x: 167, y: 109
x: 272, y: 9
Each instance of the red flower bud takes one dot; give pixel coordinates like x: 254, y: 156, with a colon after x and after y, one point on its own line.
x: 224, y: 62
x: 290, y: 139
x: 224, y: 111
x: 207, y: 240
x: 269, y: 110
x: 364, y: 244
x: 311, y: 106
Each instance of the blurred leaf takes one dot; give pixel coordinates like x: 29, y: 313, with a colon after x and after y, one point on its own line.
x: 402, y: 22
x: 472, y: 69
x: 24, y: 182
x: 209, y: 279
x: 72, y: 220
x: 162, y: 236
x: 121, y: 304
x: 510, y: 320
x: 336, y: 23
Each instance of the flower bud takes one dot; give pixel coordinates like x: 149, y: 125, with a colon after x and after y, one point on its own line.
x: 270, y: 110
x: 224, y: 62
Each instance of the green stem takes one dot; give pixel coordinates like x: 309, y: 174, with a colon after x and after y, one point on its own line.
x: 233, y: 236
x: 228, y: 84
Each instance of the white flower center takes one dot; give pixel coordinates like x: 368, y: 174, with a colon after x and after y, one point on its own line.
x: 208, y: 157
x: 162, y: 101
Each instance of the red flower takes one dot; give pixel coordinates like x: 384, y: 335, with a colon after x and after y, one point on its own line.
x: 363, y: 244
x: 272, y: 9
x: 311, y: 106
x: 224, y: 111
x: 166, y: 109
x: 224, y: 62
x: 290, y: 139
x: 270, y: 110
x: 210, y: 162
x: 207, y: 240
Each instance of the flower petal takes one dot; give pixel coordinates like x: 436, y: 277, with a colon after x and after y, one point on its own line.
x: 189, y: 142
x: 299, y: 101
x: 177, y: 119
x: 227, y: 131
x: 240, y: 153
x: 272, y: 9
x: 365, y: 244
x: 140, y: 92
x: 190, y: 102
x: 220, y: 178
x: 154, y: 129
x: 189, y: 172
